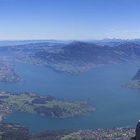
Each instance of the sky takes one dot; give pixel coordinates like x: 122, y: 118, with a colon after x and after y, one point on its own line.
x: 69, y: 19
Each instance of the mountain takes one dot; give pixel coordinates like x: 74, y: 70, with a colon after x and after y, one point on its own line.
x: 79, y: 52
x: 94, y: 53
x: 24, y: 42
x: 114, y: 42
x: 77, y: 56
x: 84, y: 56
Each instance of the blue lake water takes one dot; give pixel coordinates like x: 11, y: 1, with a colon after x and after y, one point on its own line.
x: 115, y: 106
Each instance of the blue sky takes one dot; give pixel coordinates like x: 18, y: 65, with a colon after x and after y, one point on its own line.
x: 69, y: 19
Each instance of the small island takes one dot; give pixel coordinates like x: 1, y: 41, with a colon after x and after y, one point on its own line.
x: 41, y: 105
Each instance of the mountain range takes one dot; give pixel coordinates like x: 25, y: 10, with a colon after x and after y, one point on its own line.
x: 75, y: 56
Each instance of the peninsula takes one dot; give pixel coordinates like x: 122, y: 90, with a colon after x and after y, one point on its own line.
x: 135, y: 82
x: 41, y: 105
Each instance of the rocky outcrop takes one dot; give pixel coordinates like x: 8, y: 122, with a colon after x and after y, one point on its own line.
x: 137, y: 137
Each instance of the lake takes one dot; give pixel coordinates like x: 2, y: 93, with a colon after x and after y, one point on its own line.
x: 115, y: 106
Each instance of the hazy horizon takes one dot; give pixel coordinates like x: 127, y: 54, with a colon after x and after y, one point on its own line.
x: 127, y: 39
